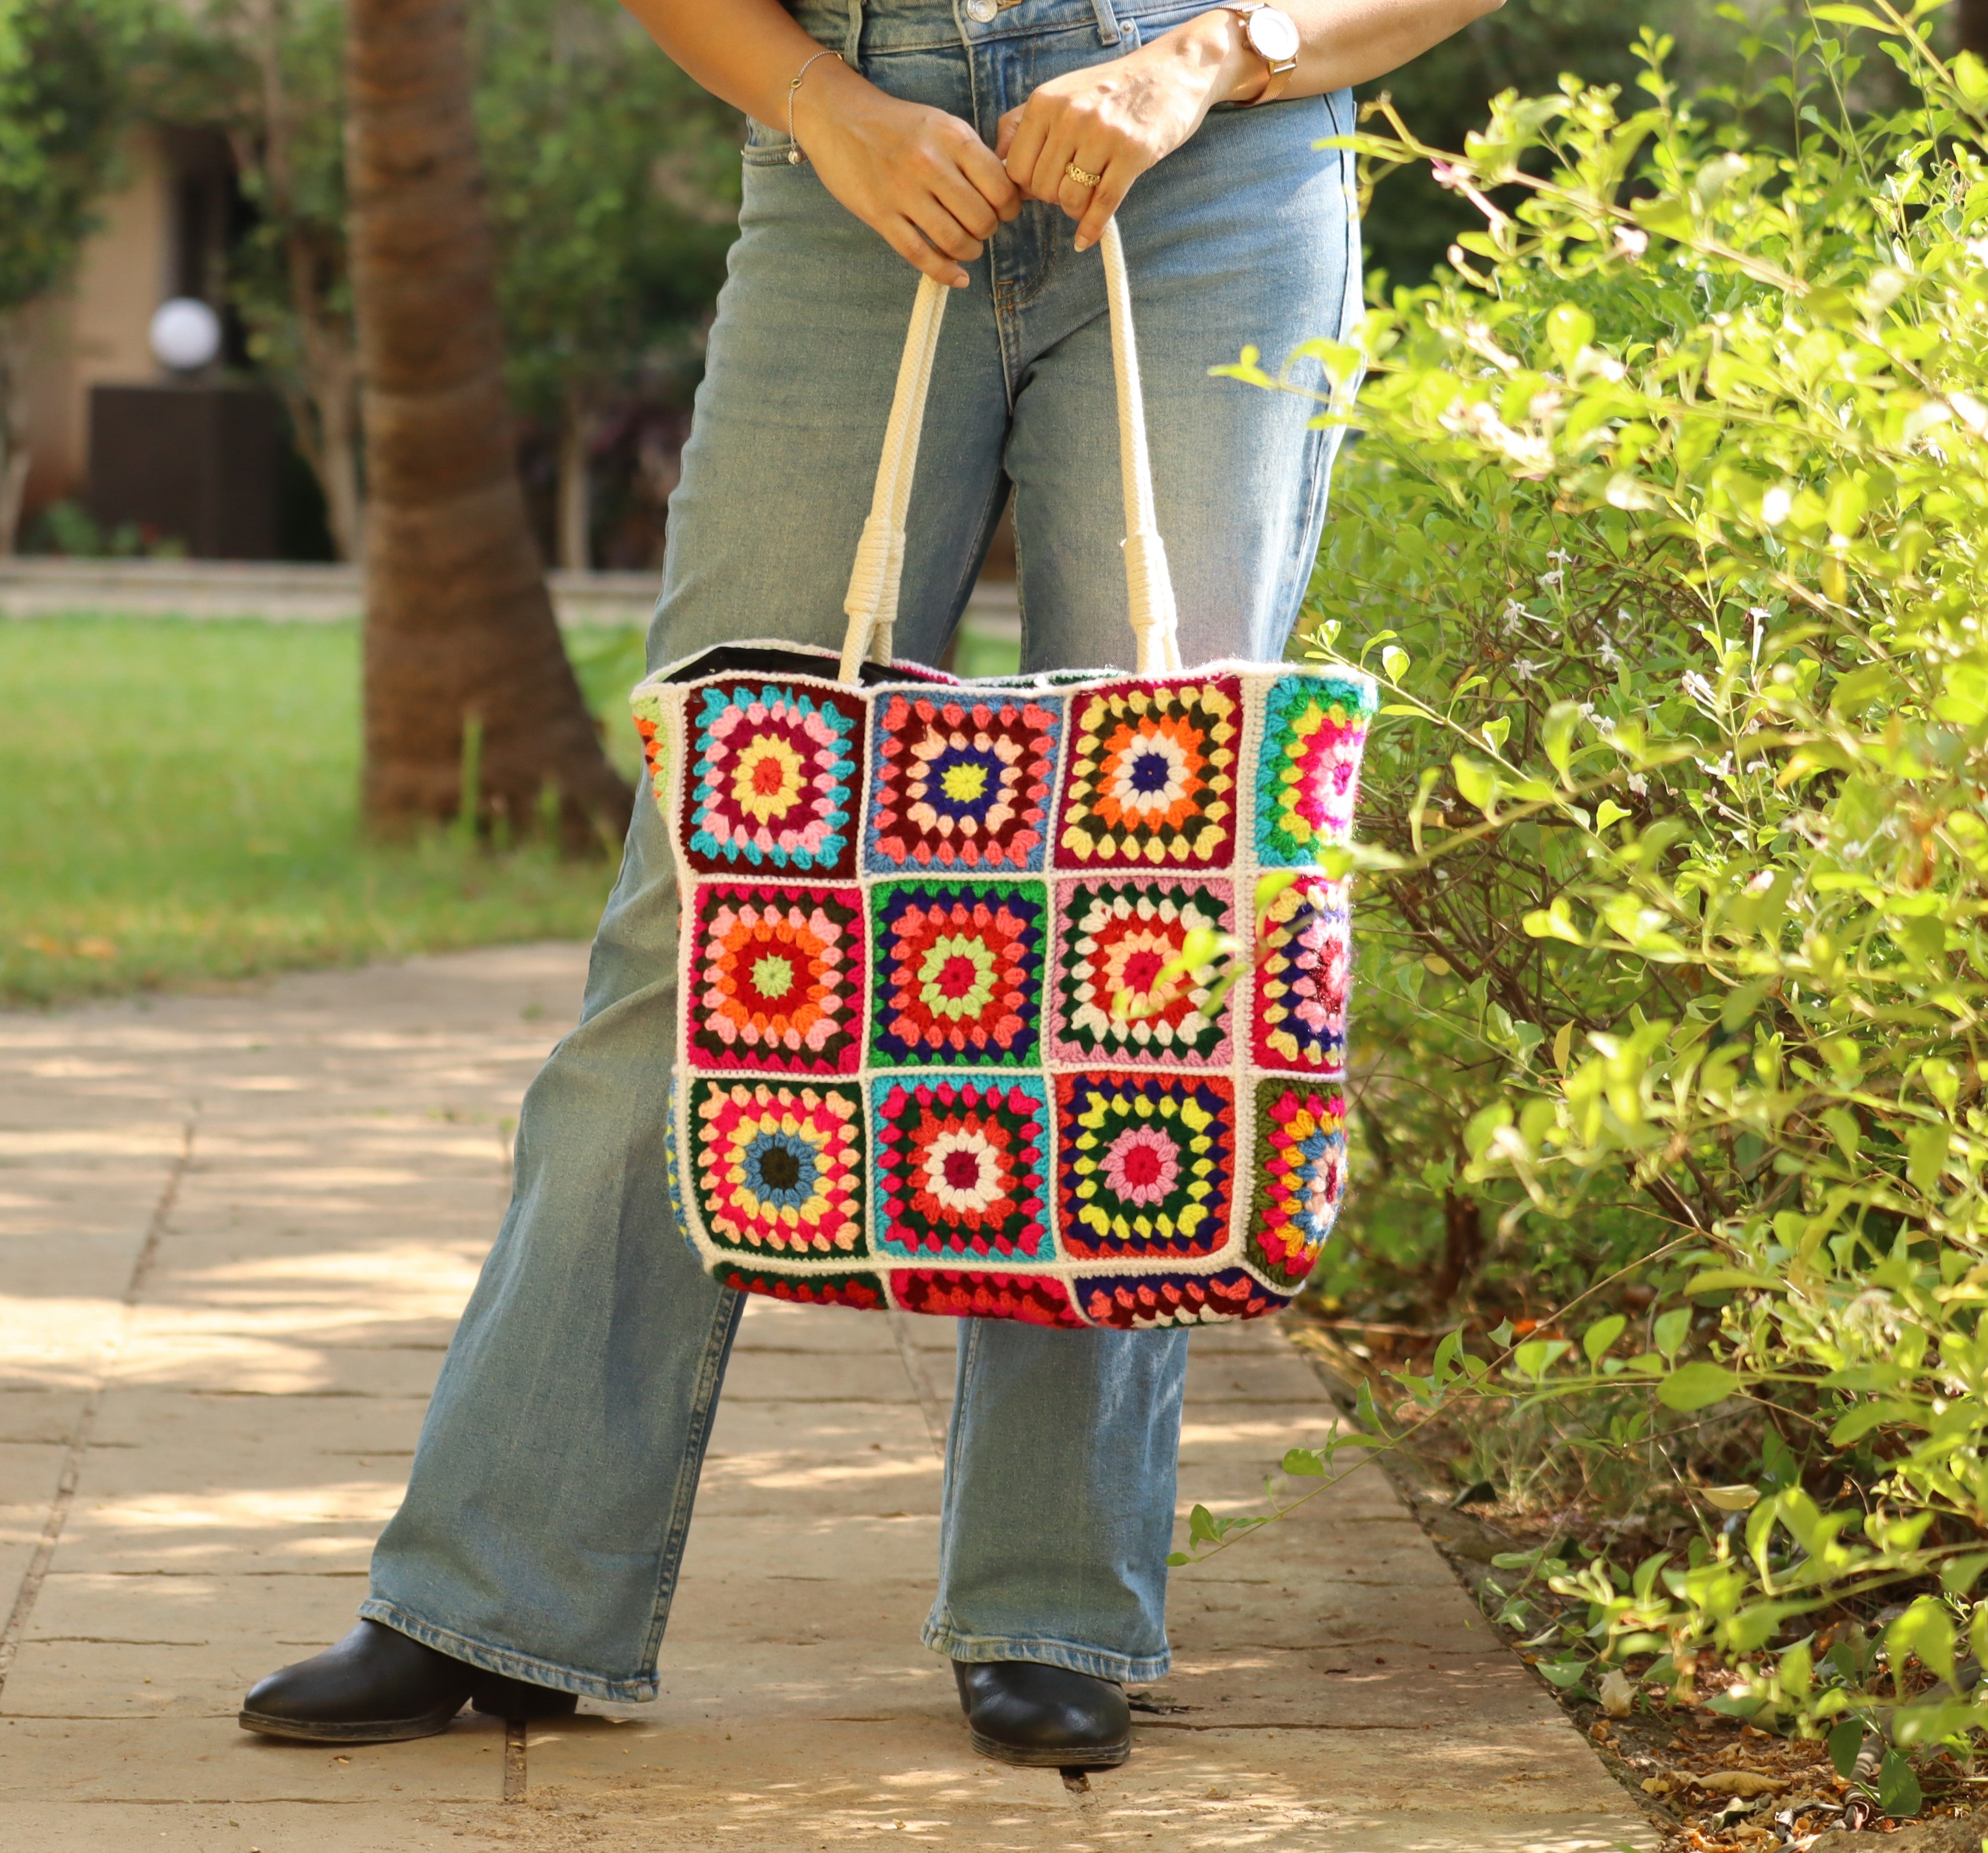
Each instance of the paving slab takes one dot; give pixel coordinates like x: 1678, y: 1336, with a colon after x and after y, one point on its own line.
x: 236, y: 1231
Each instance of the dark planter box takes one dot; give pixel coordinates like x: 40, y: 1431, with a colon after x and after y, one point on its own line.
x: 195, y: 463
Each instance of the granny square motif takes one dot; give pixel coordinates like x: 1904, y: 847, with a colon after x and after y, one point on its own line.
x: 962, y: 1167
x: 1300, y: 1174
x: 963, y: 784
x: 778, y: 972
x: 1152, y: 778
x: 1113, y: 1001
x: 779, y: 1168
x: 936, y: 1049
x: 1300, y: 1018
x: 958, y: 972
x: 779, y: 776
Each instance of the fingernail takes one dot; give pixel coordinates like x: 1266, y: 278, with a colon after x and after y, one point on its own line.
x: 1083, y: 243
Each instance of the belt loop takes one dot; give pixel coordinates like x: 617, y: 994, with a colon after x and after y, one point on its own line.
x: 852, y: 42
x: 1108, y: 31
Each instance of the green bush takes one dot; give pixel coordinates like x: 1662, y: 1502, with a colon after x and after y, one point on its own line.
x: 1665, y: 532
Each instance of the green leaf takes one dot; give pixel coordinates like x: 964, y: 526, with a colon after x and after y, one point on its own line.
x: 1562, y: 1673
x: 1569, y: 329
x: 1670, y: 218
x: 1671, y: 1329
x: 1557, y: 736
x: 1602, y: 1335
x: 1743, y: 1707
x: 1477, y: 782
x: 1852, y: 15
x: 1844, y: 1743
x: 1899, y: 1792
x: 1728, y: 1279
x: 1925, y: 1158
x: 1958, y: 1575
x: 1305, y: 1462
x: 1696, y: 1386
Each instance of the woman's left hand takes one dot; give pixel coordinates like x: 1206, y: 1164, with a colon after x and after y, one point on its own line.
x: 1117, y: 119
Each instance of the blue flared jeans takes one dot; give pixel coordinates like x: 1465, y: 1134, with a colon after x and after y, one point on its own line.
x: 552, y: 1488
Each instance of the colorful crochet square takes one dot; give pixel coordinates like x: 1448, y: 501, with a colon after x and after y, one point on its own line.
x: 1300, y: 1173
x: 1145, y: 1163
x: 778, y: 1168
x: 1152, y: 780
x: 1137, y: 1303
x: 776, y: 774
x: 650, y: 728
x: 1302, y: 966
x: 1308, y: 766
x: 865, y: 1292
x: 1032, y: 1298
x: 962, y: 784
x: 777, y: 978
x: 959, y: 971
x: 1114, y: 939
x: 961, y: 1167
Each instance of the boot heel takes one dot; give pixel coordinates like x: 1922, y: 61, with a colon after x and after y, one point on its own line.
x: 498, y: 1697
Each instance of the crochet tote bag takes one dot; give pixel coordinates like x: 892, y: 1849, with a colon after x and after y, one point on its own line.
x: 1017, y: 998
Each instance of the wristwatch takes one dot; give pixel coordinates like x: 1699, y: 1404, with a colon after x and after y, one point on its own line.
x: 1273, y: 34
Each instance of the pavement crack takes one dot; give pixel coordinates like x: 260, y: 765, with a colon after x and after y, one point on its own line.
x: 86, y: 1422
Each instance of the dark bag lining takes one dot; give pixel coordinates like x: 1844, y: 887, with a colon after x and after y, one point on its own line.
x: 762, y: 659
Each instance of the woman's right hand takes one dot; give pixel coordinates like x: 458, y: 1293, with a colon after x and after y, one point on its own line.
x: 923, y: 180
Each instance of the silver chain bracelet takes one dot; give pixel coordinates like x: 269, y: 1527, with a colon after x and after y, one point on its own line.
x: 795, y: 157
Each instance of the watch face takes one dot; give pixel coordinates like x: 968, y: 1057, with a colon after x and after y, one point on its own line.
x: 1273, y: 34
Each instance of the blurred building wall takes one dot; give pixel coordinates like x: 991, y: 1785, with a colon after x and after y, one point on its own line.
x: 96, y: 331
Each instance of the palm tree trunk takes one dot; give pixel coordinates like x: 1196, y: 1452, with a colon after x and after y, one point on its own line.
x: 460, y: 634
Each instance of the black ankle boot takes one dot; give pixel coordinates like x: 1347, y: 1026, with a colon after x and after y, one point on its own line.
x: 1044, y: 1717
x: 377, y: 1686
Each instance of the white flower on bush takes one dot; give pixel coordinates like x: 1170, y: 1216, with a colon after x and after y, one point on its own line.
x: 1533, y: 456
x: 1525, y: 669
x: 1639, y: 784
x: 1553, y: 581
x: 1775, y: 505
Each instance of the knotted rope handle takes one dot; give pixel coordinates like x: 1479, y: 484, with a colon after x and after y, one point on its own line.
x: 872, y: 602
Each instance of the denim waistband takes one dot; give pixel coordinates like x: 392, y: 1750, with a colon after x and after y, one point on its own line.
x: 905, y: 25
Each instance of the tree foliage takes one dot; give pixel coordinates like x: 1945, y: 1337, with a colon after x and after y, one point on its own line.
x: 613, y: 186
x: 63, y: 70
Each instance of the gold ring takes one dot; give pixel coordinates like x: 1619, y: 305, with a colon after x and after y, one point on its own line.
x: 1082, y: 179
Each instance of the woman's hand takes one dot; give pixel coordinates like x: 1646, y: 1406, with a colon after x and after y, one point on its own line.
x: 920, y: 179
x: 1117, y: 119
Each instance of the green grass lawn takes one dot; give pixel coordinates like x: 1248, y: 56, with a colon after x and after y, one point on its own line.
x: 178, y: 802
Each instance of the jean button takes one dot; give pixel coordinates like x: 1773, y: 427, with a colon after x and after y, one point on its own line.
x: 981, y: 12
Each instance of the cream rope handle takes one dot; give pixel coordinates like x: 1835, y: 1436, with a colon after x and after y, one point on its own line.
x: 1149, y: 585
x: 872, y: 602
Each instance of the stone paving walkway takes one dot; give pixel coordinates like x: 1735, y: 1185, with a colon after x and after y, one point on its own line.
x: 234, y: 1233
